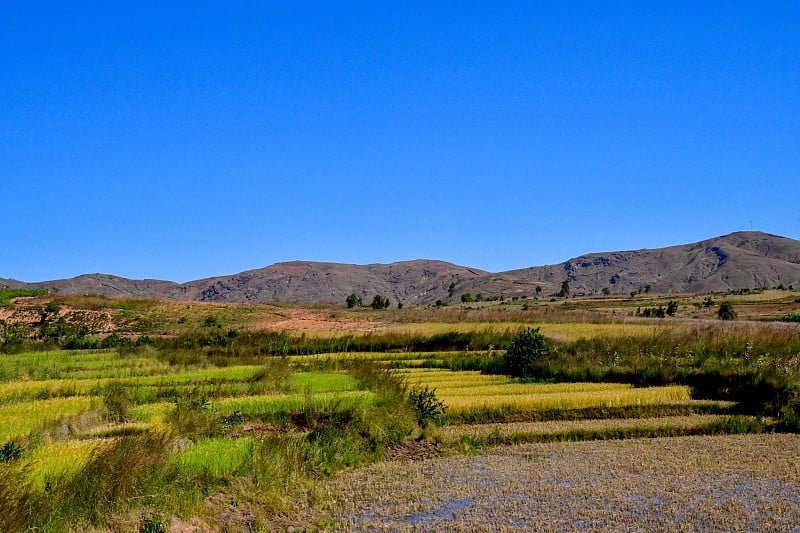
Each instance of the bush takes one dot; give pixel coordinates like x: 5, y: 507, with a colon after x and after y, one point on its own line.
x: 427, y: 406
x: 791, y: 317
x: 10, y: 451
x: 115, y: 340
x: 354, y: 300
x: 379, y: 302
x: 726, y: 311
x: 526, y: 348
x: 672, y: 308
x: 116, y: 400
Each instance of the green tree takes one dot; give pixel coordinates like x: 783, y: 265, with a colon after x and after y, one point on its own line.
x: 672, y: 307
x: 379, y: 302
x: 526, y: 348
x: 564, y: 292
x: 466, y: 297
x: 354, y: 300
x: 427, y: 406
x: 726, y: 311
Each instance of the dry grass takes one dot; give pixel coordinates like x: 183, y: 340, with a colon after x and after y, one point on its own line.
x: 452, y: 434
x: 557, y: 331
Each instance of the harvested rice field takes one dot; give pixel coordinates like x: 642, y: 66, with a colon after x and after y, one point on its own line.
x: 709, y: 483
x: 453, y: 434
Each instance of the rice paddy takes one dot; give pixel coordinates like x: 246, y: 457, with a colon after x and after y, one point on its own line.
x: 455, y: 434
x: 239, y: 423
x: 18, y: 420
x: 217, y: 457
x: 560, y: 331
x: 570, y: 400
x: 726, y: 483
x: 465, y: 391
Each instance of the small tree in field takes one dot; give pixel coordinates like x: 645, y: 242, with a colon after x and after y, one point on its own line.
x: 354, y: 300
x: 672, y: 308
x: 726, y: 311
x: 564, y: 292
x: 379, y: 302
x: 526, y: 348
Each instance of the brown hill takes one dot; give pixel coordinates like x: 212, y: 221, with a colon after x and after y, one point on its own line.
x: 737, y: 261
x: 742, y: 260
x: 411, y: 282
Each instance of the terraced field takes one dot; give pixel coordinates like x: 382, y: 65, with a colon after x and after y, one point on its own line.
x: 277, y: 423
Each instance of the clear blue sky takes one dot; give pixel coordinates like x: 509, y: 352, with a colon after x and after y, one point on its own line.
x: 183, y: 140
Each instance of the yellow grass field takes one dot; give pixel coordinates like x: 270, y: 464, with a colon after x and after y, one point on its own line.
x: 17, y: 420
x: 451, y: 434
x: 570, y: 400
x: 557, y: 331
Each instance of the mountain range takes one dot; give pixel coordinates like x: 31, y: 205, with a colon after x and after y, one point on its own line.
x: 741, y: 260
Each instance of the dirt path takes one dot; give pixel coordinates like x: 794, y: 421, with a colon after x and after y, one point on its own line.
x: 727, y: 483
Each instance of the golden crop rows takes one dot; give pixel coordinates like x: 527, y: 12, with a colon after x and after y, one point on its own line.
x: 571, y: 400
x: 16, y: 420
x: 507, y: 389
x: 456, y: 432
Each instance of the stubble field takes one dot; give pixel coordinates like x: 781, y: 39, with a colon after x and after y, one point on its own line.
x: 710, y: 483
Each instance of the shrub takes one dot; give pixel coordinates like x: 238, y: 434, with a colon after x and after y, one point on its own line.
x: 153, y: 524
x: 116, y: 400
x: 427, y: 406
x: 726, y: 311
x: 791, y: 317
x: 354, y: 300
x: 379, y: 302
x: 672, y: 308
x: 115, y: 340
x: 526, y: 348
x: 192, y: 417
x: 10, y: 451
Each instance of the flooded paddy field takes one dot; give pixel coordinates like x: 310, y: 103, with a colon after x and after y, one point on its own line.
x: 708, y: 483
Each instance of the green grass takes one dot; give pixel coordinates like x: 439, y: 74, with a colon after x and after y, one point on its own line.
x: 215, y: 457
x: 6, y: 295
x: 18, y: 420
x: 270, y: 404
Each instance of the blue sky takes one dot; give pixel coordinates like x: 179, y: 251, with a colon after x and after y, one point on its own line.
x: 184, y: 140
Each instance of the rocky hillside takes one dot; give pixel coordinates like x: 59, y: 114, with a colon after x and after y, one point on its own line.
x: 411, y: 282
x: 736, y: 261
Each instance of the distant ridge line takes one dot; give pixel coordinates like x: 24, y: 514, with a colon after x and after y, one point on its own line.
x: 740, y: 260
